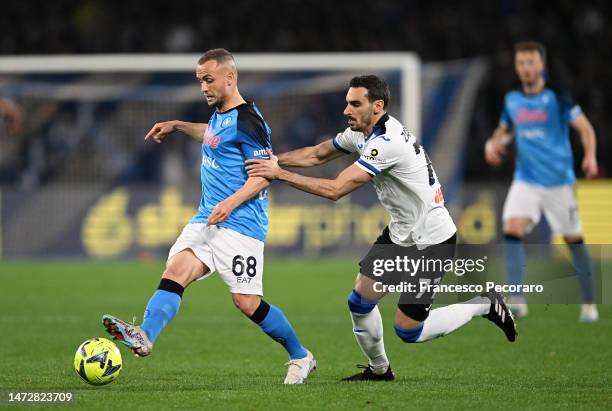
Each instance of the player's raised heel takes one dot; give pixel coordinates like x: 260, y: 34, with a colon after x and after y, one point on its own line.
x: 300, y: 369
x: 500, y: 315
x: 130, y: 335
x: 368, y: 375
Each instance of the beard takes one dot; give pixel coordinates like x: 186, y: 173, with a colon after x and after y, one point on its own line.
x: 360, y: 125
x: 218, y: 104
x: 531, y: 80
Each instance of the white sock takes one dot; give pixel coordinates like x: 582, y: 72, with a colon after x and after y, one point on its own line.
x: 445, y: 320
x: 368, y: 330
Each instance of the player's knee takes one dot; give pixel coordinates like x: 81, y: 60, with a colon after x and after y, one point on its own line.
x: 358, y: 305
x: 184, y: 268
x: 409, y: 335
x: 176, y: 276
x: 246, y: 303
x: 573, y: 239
x: 515, y: 228
x: 513, y: 233
x: 409, y: 321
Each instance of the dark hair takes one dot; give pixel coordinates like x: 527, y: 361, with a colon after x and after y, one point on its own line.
x: 219, y: 55
x: 531, y: 46
x: 377, y: 88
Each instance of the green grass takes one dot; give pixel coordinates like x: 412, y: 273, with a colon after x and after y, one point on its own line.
x: 211, y: 357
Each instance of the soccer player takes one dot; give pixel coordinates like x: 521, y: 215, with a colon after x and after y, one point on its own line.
x: 13, y: 116
x: 227, y: 234
x: 544, y: 173
x: 408, y: 188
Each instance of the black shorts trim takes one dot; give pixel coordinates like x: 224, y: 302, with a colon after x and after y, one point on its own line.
x: 414, y: 304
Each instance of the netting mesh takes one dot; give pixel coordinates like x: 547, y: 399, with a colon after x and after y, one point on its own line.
x: 82, y: 170
x: 90, y: 127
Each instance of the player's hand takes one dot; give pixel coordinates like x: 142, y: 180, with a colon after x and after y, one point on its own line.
x: 589, y: 166
x: 161, y: 131
x: 268, y: 169
x: 494, y: 152
x: 221, y: 212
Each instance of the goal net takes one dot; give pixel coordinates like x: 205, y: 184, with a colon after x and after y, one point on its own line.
x: 81, y: 156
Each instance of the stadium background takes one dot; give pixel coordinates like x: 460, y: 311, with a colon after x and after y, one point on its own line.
x: 88, y: 210
x: 81, y: 158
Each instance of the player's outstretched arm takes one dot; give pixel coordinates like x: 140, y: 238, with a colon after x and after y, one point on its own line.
x: 250, y: 189
x: 12, y: 115
x: 495, y: 147
x: 162, y: 130
x: 589, y: 143
x: 310, y: 156
x: 347, y: 181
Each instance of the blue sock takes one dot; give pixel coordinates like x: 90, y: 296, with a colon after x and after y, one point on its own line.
x: 409, y: 335
x: 359, y: 305
x: 162, y: 307
x: 584, y: 270
x: 514, y: 259
x: 274, y: 323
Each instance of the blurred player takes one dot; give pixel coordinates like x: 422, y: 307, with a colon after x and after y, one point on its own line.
x: 12, y: 115
x: 544, y: 175
x: 227, y: 234
x: 408, y: 188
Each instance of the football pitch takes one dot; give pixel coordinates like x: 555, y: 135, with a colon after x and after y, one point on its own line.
x: 212, y: 357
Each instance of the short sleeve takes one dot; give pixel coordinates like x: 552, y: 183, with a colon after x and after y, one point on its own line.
x: 505, y: 119
x: 253, y: 136
x: 570, y: 111
x: 345, y: 141
x: 379, y: 155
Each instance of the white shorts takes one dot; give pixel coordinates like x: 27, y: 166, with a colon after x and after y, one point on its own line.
x: 236, y: 257
x: 558, y: 204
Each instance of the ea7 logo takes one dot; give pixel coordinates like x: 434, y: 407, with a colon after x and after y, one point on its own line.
x: 241, y: 265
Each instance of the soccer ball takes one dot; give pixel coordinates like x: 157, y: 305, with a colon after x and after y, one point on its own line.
x: 98, y: 361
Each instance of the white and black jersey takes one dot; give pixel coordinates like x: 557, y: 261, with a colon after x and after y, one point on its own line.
x: 405, y: 181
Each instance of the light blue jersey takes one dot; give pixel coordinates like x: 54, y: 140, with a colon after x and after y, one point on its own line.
x: 232, y: 137
x: 541, y: 126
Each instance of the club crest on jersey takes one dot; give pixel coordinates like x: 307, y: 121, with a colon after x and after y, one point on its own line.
x: 226, y: 122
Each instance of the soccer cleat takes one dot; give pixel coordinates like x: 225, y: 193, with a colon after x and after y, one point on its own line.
x: 500, y: 315
x: 130, y: 335
x: 300, y: 369
x: 518, y: 306
x: 589, y: 313
x: 368, y: 375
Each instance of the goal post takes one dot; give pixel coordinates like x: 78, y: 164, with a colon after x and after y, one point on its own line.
x: 82, y: 158
x: 407, y: 64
